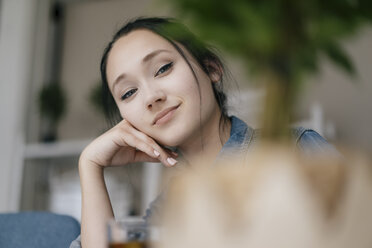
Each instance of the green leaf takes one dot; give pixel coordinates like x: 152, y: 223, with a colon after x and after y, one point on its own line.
x: 337, y: 55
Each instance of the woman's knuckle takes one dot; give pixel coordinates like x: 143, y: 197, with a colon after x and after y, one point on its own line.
x: 148, y: 140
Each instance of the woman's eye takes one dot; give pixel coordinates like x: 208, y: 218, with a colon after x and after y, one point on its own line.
x: 128, y: 94
x: 164, y: 68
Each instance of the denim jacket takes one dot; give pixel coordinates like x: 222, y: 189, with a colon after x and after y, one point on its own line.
x: 242, y: 138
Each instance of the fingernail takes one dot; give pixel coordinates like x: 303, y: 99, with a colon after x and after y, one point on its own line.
x: 171, y: 161
x: 156, y: 153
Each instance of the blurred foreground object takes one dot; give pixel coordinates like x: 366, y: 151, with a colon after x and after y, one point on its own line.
x: 271, y: 198
x: 279, y: 41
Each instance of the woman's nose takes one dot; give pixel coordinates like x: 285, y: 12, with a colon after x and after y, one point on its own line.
x: 155, y: 97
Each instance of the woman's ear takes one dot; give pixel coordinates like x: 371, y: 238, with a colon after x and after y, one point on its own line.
x: 215, y: 70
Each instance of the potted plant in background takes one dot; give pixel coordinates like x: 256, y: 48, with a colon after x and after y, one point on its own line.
x: 96, y: 101
x: 280, y: 42
x: 52, y: 107
x: 95, y: 98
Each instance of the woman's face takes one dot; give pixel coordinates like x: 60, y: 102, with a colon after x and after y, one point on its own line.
x: 155, y: 89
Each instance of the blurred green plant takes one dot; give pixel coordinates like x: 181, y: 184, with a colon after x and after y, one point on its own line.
x: 95, y: 98
x: 52, y: 102
x: 279, y: 41
x: 52, y: 107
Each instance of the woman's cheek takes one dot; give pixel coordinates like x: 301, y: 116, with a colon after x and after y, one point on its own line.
x: 128, y: 114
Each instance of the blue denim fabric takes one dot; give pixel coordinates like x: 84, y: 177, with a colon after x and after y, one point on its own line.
x: 310, y: 142
x: 242, y: 137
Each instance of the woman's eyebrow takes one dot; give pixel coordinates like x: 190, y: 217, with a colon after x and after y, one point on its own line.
x: 117, y: 80
x: 145, y: 59
x: 153, y: 54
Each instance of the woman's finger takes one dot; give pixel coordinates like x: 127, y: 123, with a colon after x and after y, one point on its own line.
x: 143, y: 157
x: 148, y: 148
x: 131, y: 140
x: 163, y: 155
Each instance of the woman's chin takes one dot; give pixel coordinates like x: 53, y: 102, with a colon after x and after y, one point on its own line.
x: 168, y: 143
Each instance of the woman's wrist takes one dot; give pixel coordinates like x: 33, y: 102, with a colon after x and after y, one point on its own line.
x: 86, y: 164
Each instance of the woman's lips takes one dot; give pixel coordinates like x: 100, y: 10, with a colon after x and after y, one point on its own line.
x: 165, y: 115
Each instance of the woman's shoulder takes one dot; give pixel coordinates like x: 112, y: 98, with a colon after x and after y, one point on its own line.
x: 306, y: 140
x: 243, y: 137
x: 309, y: 142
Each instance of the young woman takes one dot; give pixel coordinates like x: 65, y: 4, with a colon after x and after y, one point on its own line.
x: 165, y: 88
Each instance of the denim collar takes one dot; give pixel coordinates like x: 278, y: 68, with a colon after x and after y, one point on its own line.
x: 240, y: 137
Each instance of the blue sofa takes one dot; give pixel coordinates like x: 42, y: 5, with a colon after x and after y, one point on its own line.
x: 37, y: 230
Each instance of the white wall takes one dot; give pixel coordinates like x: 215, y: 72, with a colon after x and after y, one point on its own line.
x: 347, y: 101
x: 16, y: 36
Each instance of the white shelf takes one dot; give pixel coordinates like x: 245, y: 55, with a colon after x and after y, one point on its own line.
x: 55, y: 149
x: 151, y: 176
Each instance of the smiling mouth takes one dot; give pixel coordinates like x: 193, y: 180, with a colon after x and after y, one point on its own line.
x: 165, y: 115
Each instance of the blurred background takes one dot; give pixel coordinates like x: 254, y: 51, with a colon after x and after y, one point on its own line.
x: 50, y: 52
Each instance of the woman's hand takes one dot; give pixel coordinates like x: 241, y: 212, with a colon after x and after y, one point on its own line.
x: 124, y: 144
x: 120, y: 145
